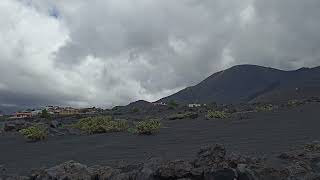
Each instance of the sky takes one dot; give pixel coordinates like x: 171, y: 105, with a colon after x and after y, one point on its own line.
x: 111, y: 52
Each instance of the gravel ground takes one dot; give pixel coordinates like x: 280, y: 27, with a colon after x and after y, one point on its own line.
x: 261, y: 134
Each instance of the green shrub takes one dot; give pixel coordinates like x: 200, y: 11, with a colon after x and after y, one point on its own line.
x: 34, y: 133
x: 135, y: 110
x: 172, y: 104
x: 293, y: 103
x: 147, y: 127
x: 315, y: 146
x: 216, y: 114
x: 264, y: 108
x: 101, y: 124
x: 120, y: 125
x: 44, y: 114
x: 4, y: 118
x: 184, y: 116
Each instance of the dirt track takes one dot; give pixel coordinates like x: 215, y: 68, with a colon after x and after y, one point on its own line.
x: 262, y: 133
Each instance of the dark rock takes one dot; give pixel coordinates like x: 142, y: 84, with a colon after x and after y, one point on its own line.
x: 298, y: 169
x: 104, y: 172
x: 148, y: 168
x: 271, y: 174
x: 211, y: 156
x: 54, y: 124
x: 16, y: 125
x: 174, y: 170
x: 244, y: 173
x: 223, y: 174
x: 70, y: 170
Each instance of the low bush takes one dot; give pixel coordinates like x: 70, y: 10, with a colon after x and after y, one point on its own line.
x: 217, y: 115
x: 45, y: 114
x: 293, y: 103
x: 264, y: 108
x: 101, y: 124
x: 4, y: 118
x: 147, y: 127
x: 315, y: 146
x: 135, y: 110
x: 35, y: 133
x: 172, y: 104
x: 185, y: 115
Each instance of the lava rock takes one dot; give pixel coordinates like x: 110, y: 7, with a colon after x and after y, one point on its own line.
x: 104, y: 172
x: 223, y: 174
x: 70, y: 170
x: 211, y: 156
x: 16, y: 125
x: 55, y: 124
x: 174, y: 170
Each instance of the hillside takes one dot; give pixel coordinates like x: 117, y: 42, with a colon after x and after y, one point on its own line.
x: 251, y: 83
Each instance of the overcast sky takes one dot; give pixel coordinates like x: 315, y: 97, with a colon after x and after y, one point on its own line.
x: 111, y: 52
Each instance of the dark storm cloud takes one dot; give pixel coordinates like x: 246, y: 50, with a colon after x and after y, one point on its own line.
x: 112, y: 52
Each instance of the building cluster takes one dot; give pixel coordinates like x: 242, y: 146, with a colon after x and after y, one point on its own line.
x: 65, y: 111
x: 159, y: 104
x: 193, y: 105
x: 54, y: 110
x: 57, y: 110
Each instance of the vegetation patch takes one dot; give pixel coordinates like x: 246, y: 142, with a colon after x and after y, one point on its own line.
x: 185, y: 115
x: 45, y: 114
x: 312, y: 147
x: 4, y: 118
x: 35, y: 133
x: 293, y: 103
x: 264, y: 108
x: 135, y: 110
x: 173, y: 104
x: 146, y: 127
x: 101, y: 124
x: 217, y: 114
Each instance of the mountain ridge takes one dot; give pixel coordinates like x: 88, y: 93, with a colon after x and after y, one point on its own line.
x: 249, y: 83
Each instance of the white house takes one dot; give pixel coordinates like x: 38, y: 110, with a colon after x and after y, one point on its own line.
x: 36, y: 112
x: 159, y: 104
x: 194, y: 105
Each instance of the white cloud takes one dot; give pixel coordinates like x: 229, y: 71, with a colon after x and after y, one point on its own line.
x: 105, y: 53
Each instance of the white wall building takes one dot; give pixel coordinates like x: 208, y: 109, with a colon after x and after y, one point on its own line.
x: 194, y: 105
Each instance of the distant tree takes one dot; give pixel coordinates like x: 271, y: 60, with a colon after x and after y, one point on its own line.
x: 44, y: 114
x: 173, y: 104
x: 135, y: 110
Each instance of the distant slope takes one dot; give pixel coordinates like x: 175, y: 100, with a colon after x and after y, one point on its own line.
x: 9, y: 109
x: 251, y: 83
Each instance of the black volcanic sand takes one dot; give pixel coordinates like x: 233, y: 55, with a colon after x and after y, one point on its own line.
x: 264, y: 133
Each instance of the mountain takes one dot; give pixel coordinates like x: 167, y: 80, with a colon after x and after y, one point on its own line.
x: 252, y: 83
x: 9, y: 109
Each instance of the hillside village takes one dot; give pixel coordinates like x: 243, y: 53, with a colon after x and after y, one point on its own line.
x: 53, y: 110
x: 69, y: 111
